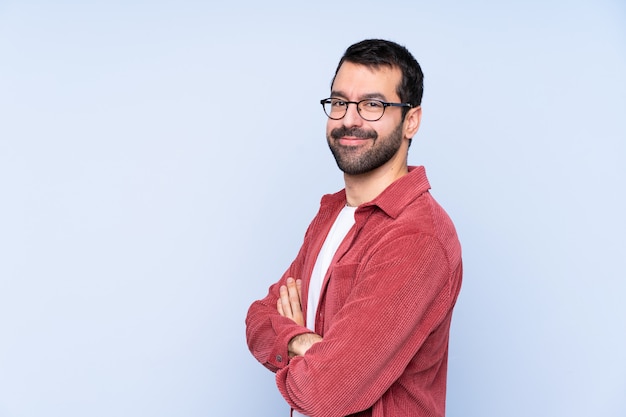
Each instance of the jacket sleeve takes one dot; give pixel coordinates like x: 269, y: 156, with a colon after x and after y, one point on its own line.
x: 267, y: 332
x: 401, y: 294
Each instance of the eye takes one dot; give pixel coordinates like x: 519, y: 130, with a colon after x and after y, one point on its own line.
x: 373, y: 104
x: 337, y: 103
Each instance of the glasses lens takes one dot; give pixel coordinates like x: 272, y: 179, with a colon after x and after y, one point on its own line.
x: 334, y: 108
x: 371, y: 110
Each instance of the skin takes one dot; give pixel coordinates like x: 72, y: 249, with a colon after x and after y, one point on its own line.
x: 356, y: 82
x: 290, y: 305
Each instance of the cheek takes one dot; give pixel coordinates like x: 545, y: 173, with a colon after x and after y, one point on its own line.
x: 330, y: 125
x: 380, y: 130
x: 390, y: 129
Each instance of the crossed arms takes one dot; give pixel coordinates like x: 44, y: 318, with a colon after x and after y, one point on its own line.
x: 373, y: 328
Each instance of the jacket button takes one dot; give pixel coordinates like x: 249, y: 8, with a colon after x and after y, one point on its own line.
x: 279, y: 358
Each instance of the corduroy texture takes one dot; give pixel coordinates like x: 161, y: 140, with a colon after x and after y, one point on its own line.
x: 384, y: 312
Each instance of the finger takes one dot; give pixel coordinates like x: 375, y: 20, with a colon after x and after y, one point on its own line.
x: 299, y: 288
x: 285, y: 302
x: 294, y: 294
x: 295, y: 301
x: 279, y: 307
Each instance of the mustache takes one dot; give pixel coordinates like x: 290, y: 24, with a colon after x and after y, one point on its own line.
x: 342, y: 131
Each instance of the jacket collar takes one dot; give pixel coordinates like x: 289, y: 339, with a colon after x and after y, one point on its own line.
x: 394, y: 198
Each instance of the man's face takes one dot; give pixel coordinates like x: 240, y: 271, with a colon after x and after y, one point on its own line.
x: 360, y: 146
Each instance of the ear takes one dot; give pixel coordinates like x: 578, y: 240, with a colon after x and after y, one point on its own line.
x: 412, y: 122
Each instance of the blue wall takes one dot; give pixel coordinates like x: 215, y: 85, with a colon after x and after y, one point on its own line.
x: 160, y: 161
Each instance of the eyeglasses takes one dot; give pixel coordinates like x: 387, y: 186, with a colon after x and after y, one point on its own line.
x: 369, y: 109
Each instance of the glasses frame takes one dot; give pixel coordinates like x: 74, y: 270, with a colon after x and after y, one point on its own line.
x: 385, y: 104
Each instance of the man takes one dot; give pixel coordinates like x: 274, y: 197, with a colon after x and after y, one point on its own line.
x: 359, y: 323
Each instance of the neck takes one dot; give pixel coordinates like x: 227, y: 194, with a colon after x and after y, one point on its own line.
x: 366, y: 187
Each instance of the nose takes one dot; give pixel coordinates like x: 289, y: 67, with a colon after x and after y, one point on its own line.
x: 352, y: 117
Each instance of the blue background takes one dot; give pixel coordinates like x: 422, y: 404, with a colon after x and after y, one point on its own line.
x: 160, y: 161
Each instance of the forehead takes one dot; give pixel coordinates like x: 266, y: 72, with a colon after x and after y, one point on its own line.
x: 355, y: 81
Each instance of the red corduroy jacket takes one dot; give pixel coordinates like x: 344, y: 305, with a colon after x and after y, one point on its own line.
x: 384, y: 311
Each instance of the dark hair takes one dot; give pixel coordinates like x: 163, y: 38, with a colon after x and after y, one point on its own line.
x: 374, y: 53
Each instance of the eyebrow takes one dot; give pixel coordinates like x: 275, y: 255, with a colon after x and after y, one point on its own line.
x: 377, y: 96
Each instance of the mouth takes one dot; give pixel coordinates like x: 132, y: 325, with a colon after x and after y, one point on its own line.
x: 351, y: 140
x: 352, y: 137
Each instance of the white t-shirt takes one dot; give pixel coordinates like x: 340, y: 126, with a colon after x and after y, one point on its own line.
x: 340, y: 228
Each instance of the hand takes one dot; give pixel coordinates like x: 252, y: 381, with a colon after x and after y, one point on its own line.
x: 302, y: 342
x: 290, y: 305
x: 290, y: 302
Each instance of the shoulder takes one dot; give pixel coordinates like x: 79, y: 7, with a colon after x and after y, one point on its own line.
x: 420, y: 224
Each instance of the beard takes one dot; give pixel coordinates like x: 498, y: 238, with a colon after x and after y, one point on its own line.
x: 353, y: 160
